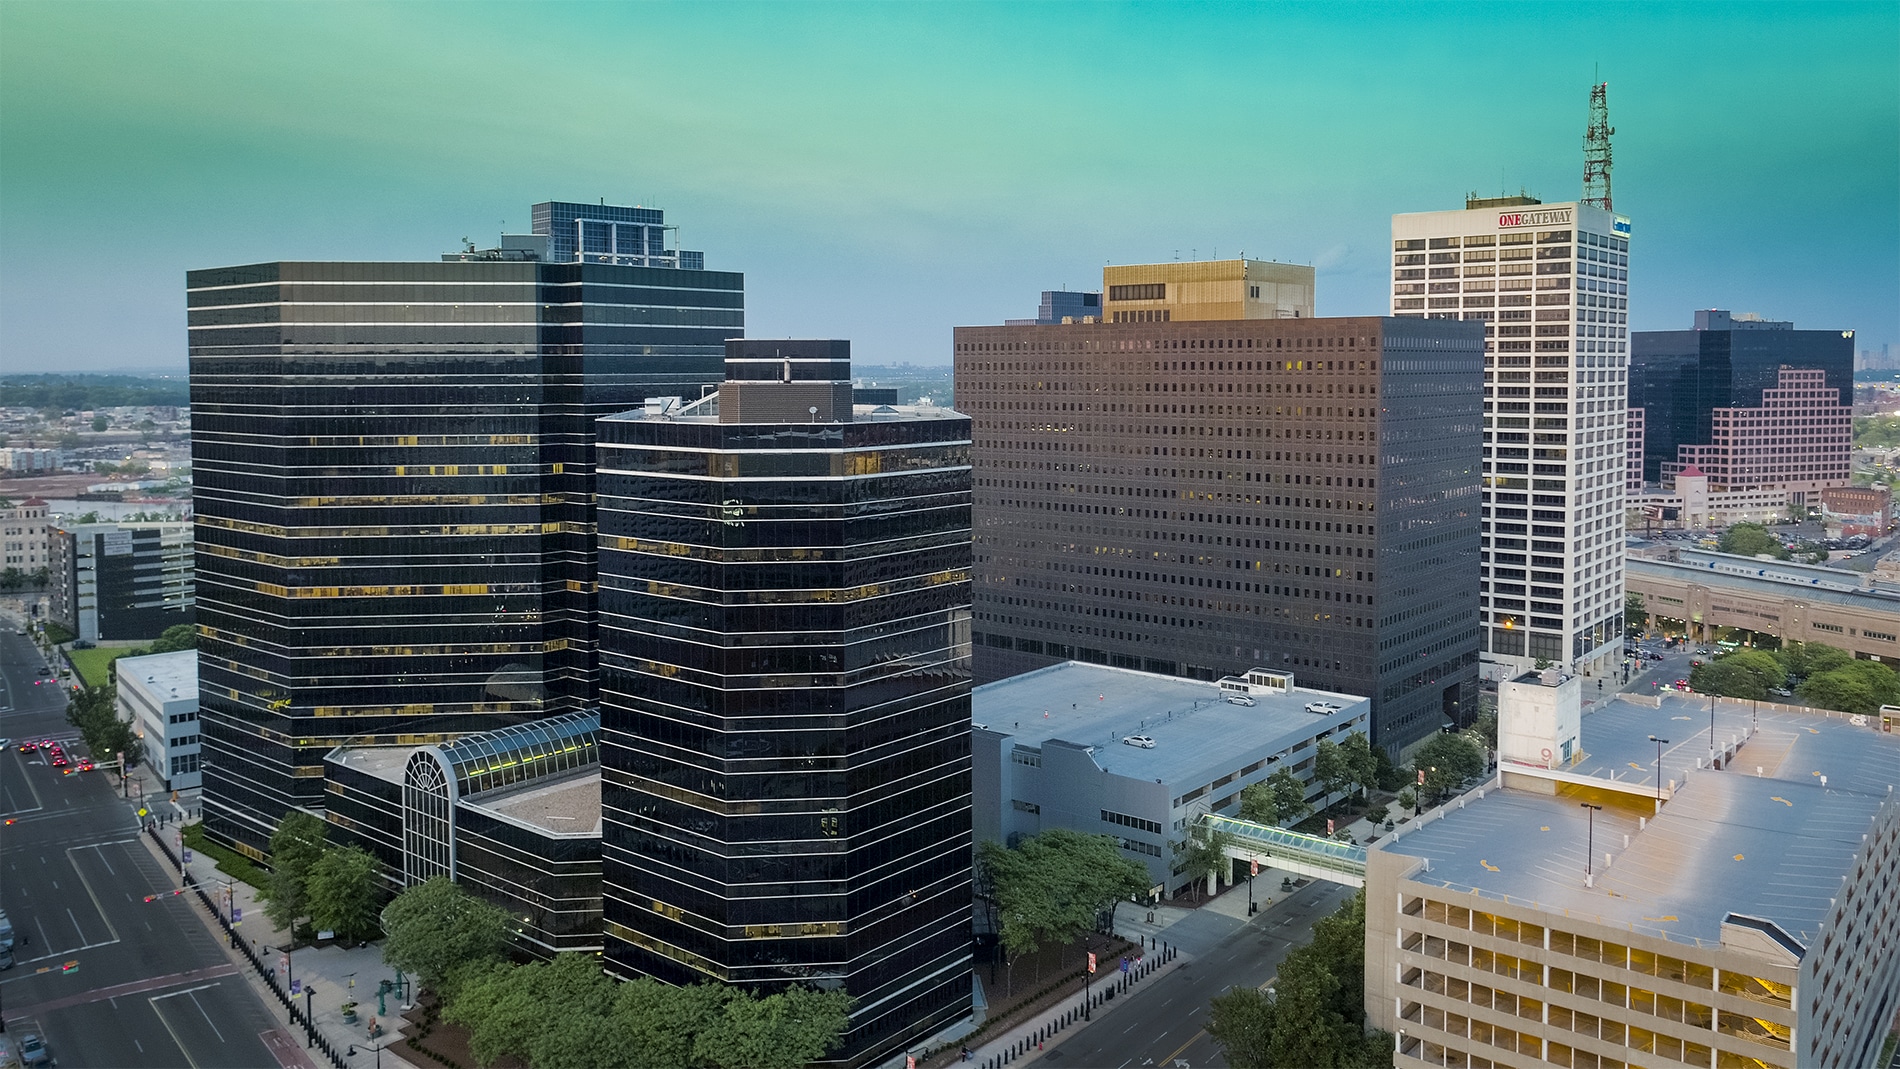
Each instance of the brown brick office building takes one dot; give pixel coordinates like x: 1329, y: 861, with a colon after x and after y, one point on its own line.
x: 1199, y: 498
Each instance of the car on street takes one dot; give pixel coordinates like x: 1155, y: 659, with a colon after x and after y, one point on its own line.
x: 45, y: 671
x: 85, y: 765
x: 28, y: 746
x: 1142, y: 741
x: 1682, y: 684
x: 33, y: 1051
x: 1322, y: 708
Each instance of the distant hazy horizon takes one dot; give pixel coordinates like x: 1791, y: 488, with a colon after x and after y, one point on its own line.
x: 886, y: 172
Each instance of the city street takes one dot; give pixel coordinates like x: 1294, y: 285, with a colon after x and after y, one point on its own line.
x: 106, y: 976
x: 1161, y: 1020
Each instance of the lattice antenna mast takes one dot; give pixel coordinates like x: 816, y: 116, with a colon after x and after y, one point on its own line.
x: 1596, y: 149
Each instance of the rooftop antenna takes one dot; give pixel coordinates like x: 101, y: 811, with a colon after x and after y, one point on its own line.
x: 1596, y: 148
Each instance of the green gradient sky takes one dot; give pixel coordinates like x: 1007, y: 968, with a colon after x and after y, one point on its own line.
x: 883, y: 172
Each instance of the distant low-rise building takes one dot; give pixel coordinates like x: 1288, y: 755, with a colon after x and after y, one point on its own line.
x: 1139, y: 756
x: 1711, y: 596
x: 25, y: 460
x: 23, y: 530
x: 121, y: 581
x: 158, y: 696
x: 1857, y: 510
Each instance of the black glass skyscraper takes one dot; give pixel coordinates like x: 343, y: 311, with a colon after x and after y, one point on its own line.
x: 393, y: 481
x: 1680, y: 377
x: 785, y: 693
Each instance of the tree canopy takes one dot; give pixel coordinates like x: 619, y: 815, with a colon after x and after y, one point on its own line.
x: 1051, y: 888
x: 1751, y: 539
x: 1315, y: 1014
x: 94, y: 711
x: 295, y: 847
x: 1448, y: 760
x: 567, y: 1013
x: 439, y: 931
x: 1278, y: 799
x: 343, y: 889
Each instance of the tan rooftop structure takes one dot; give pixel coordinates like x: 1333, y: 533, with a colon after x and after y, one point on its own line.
x: 1206, y: 289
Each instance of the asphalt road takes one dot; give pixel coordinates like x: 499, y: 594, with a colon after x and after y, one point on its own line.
x: 1160, y: 1022
x: 106, y: 977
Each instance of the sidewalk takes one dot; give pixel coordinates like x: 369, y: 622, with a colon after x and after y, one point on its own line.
x: 325, y: 977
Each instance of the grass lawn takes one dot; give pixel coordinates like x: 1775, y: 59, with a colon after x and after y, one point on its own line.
x: 93, y: 665
x: 230, y: 862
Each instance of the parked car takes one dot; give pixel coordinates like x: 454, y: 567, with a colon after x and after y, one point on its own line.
x: 1142, y: 741
x: 1237, y: 699
x: 1322, y: 708
x: 33, y: 1051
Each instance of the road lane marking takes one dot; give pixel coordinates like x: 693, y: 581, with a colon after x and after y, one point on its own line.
x: 93, y: 895
x: 174, y: 1034
x: 134, y: 987
x: 75, y: 920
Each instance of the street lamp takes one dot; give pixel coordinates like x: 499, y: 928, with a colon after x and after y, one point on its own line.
x: 1590, y: 847
x: 379, y: 1054
x: 1659, y: 745
x: 1253, y: 870
x: 1711, y: 723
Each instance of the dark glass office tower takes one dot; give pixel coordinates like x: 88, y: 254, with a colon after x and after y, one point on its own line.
x: 393, y: 480
x: 785, y: 693
x: 1680, y: 377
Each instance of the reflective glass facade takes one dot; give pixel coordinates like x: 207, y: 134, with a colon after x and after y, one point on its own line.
x: 785, y: 709
x: 393, y: 475
x: 1680, y: 378
x: 1202, y: 498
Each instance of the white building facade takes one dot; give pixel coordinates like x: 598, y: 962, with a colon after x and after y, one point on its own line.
x: 1550, y: 282
x: 158, y: 695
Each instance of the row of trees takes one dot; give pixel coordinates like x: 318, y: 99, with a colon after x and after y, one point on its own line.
x: 338, y: 888
x: 12, y: 578
x: 1051, y: 889
x: 1753, y: 540
x: 1314, y: 1015
x: 95, y: 712
x: 567, y: 1012
x: 1830, y: 678
x: 75, y: 393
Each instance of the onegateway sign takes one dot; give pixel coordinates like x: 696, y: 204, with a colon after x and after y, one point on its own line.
x: 1547, y: 217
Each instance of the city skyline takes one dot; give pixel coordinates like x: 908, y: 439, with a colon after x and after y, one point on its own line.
x: 892, y: 171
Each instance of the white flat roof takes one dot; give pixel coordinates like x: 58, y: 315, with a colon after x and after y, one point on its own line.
x: 164, y: 676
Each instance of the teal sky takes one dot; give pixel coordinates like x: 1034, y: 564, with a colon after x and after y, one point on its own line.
x: 884, y: 172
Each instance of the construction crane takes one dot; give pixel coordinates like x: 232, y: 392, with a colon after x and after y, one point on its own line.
x: 1596, y: 149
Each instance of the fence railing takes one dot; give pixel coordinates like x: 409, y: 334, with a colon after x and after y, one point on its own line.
x: 298, y: 1015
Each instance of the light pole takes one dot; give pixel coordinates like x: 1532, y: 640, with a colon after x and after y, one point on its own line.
x: 1590, y: 847
x: 1659, y: 745
x: 379, y: 1054
x: 1254, y: 870
x: 1711, y: 723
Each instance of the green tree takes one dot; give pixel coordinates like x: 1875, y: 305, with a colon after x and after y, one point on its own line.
x: 1315, y: 1014
x: 1278, y: 799
x: 175, y: 638
x: 1362, y: 766
x: 1751, y: 539
x: 1242, y: 1022
x: 343, y: 889
x: 294, y: 849
x: 1448, y: 760
x: 1728, y: 680
x: 1839, y: 690
x: 100, y: 423
x: 1880, y: 679
x: 1331, y: 768
x: 1808, y: 658
x: 1051, y: 888
x: 784, y: 1031
x: 1408, y: 800
x: 94, y: 711
x: 567, y: 1013
x: 1635, y: 613
x: 1202, y: 853
x: 438, y: 931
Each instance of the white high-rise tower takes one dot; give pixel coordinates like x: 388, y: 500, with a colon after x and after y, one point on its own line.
x: 1550, y: 282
